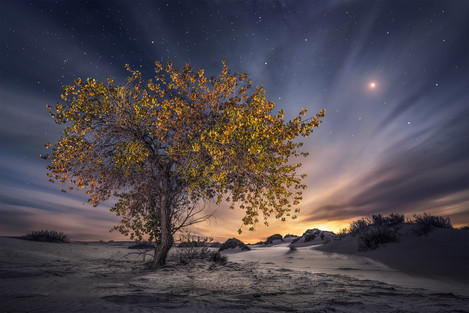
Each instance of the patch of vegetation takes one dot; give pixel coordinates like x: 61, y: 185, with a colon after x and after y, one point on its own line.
x: 193, y: 243
x: 47, y: 236
x: 233, y: 243
x: 427, y: 222
x: 143, y: 245
x: 373, y: 237
x: 342, y: 233
x: 310, y: 237
x: 296, y: 239
x: 271, y: 239
x: 189, y: 254
x: 391, y: 220
x: 217, y: 257
x: 359, y: 226
x: 193, y: 248
x: 375, y: 230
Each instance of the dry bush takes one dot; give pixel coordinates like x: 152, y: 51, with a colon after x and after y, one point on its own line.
x: 373, y: 237
x: 47, y: 236
x: 427, y: 222
x: 233, y: 243
x: 192, y: 248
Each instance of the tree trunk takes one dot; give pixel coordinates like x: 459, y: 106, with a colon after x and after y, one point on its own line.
x: 166, y: 238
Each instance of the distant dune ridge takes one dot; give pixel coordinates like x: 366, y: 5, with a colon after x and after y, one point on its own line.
x: 442, y: 253
x: 421, y: 271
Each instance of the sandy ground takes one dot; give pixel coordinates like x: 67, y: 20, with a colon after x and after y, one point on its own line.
x: 442, y: 254
x: 98, y: 277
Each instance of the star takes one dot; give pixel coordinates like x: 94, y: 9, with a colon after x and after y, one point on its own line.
x: 372, y: 85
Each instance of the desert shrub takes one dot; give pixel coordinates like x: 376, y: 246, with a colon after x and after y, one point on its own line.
x: 143, y: 245
x: 193, y: 248
x: 186, y: 239
x: 189, y: 254
x: 46, y: 236
x: 427, y: 222
x: 192, y: 243
x: 373, y: 237
x: 358, y: 226
x: 233, y: 243
x: 296, y: 239
x: 271, y: 239
x: 217, y: 257
x: 391, y: 220
x: 342, y: 233
x: 310, y: 237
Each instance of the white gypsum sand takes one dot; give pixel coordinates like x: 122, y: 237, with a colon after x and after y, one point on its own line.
x: 442, y: 254
x: 103, y: 277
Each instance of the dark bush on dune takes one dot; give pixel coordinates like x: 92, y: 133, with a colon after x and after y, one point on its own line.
x: 142, y: 246
x: 427, y: 222
x: 359, y: 226
x: 373, y: 237
x: 192, y: 243
x: 271, y: 239
x: 46, y: 236
x: 311, y: 234
x: 342, y: 233
x: 217, y: 257
x: 188, y: 254
x: 233, y: 243
x: 391, y: 220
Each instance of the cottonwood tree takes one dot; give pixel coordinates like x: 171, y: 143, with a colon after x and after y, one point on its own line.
x: 159, y: 148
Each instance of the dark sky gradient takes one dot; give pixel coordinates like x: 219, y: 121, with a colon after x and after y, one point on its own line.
x: 402, y: 146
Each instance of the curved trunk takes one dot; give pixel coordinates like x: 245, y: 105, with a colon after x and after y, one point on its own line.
x: 166, y: 238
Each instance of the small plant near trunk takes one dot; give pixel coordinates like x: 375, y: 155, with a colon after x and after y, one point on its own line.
x: 192, y: 248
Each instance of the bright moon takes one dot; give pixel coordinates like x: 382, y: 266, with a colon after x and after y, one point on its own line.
x: 372, y: 85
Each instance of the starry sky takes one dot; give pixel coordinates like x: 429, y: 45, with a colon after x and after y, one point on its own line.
x: 392, y: 75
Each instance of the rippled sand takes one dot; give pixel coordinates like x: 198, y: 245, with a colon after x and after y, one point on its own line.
x: 98, y: 277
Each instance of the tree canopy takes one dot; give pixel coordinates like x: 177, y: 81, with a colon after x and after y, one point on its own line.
x: 172, y: 141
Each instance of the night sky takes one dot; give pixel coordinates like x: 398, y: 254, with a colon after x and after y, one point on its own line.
x: 392, y: 75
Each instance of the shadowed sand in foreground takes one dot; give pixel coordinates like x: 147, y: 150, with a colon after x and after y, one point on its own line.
x: 103, y: 277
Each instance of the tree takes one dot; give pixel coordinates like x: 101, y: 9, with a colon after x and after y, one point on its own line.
x: 162, y: 147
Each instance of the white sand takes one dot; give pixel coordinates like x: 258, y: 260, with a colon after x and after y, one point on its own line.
x: 442, y: 254
x: 77, y: 277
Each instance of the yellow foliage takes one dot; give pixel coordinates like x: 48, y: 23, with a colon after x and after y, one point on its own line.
x: 181, y: 133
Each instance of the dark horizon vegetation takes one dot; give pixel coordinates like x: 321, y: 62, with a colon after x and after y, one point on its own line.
x: 359, y: 227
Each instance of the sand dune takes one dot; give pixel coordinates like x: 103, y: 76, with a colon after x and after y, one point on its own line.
x: 97, y: 277
x: 441, y: 254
